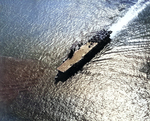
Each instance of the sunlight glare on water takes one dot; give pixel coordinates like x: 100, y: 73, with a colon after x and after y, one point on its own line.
x: 35, y: 40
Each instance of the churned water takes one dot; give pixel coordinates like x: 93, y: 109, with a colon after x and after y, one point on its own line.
x: 129, y: 16
x: 35, y: 36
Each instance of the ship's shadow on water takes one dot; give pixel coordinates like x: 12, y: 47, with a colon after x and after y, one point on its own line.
x: 63, y: 76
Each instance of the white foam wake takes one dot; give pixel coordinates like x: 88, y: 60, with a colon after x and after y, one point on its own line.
x: 130, y: 15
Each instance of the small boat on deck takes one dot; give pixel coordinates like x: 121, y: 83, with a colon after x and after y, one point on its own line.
x: 81, y: 54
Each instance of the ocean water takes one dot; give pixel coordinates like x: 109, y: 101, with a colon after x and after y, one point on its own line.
x: 34, y: 38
